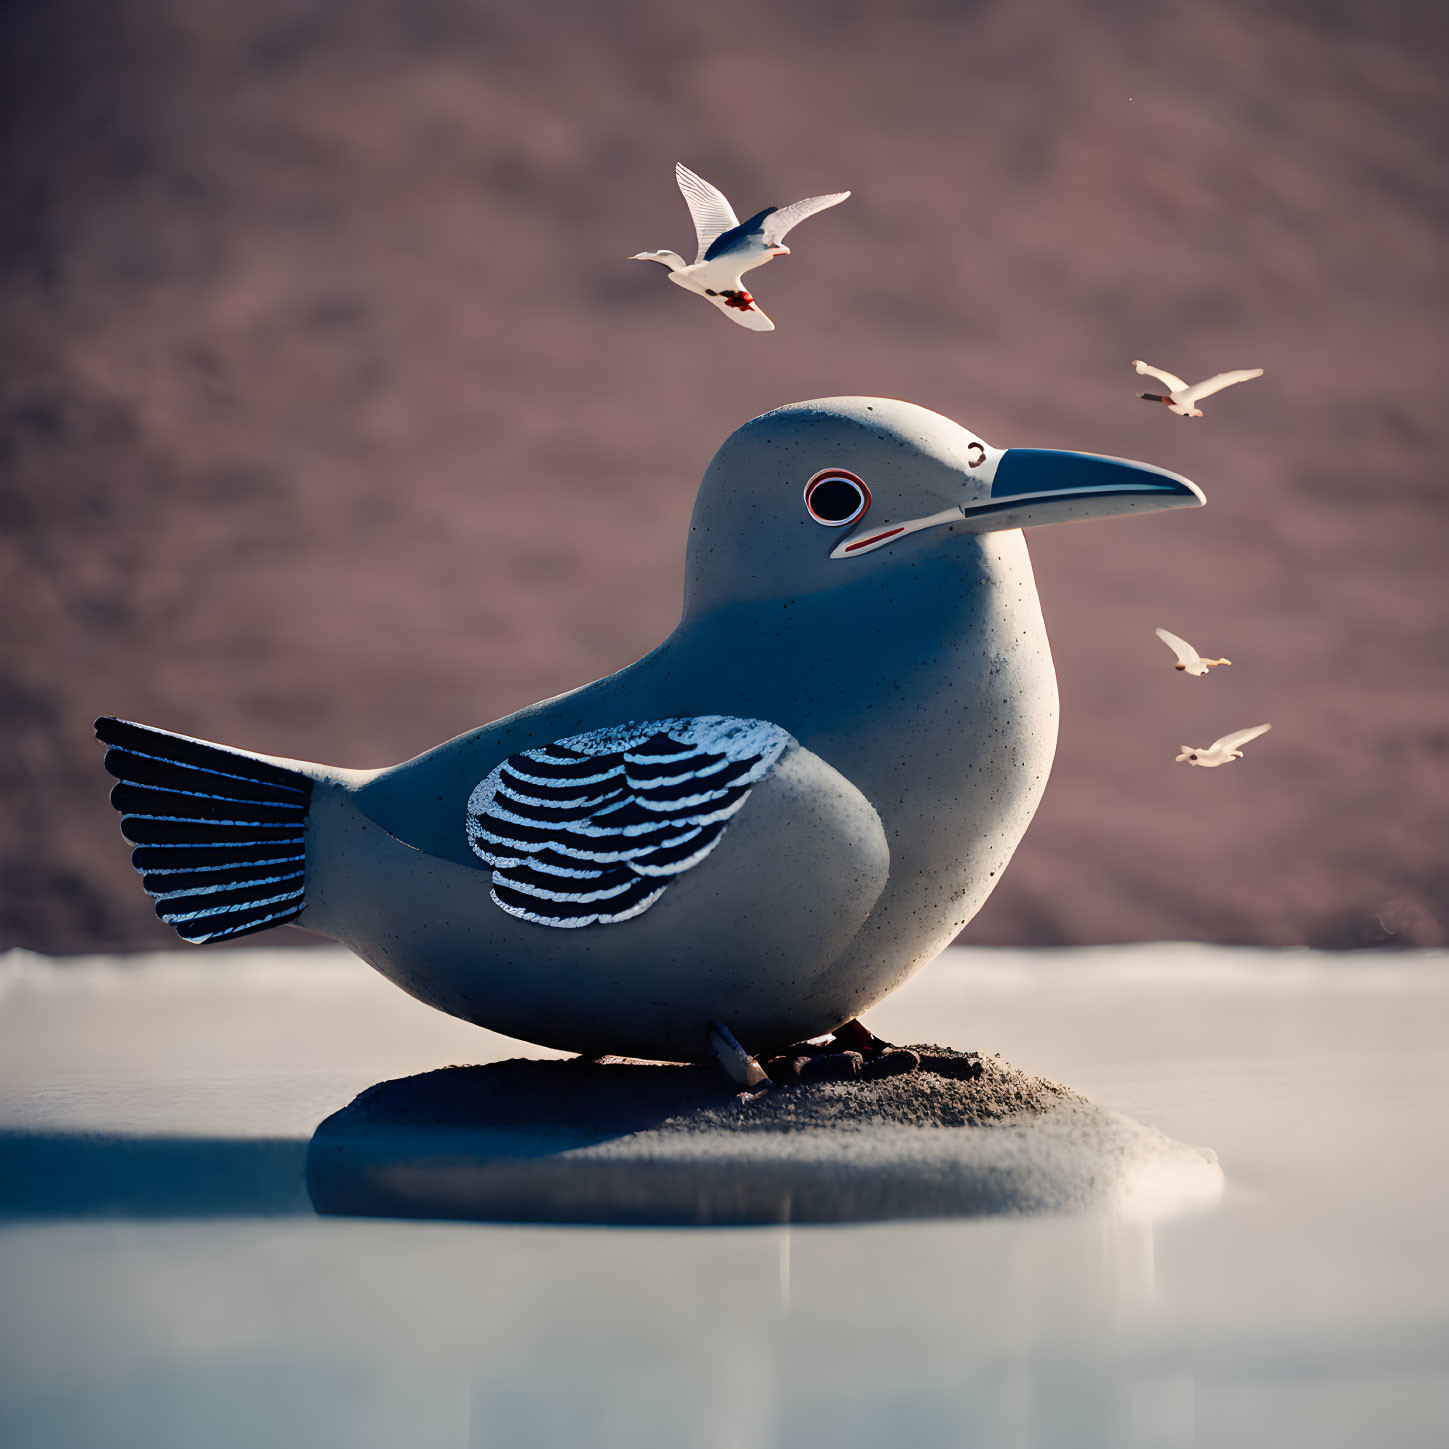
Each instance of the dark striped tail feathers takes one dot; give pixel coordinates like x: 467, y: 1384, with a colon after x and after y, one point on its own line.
x: 220, y: 836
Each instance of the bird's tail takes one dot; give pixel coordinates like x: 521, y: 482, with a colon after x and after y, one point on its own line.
x: 220, y: 835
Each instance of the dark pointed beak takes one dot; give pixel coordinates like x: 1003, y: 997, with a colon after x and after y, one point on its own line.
x: 1040, y: 485
x: 1036, y: 485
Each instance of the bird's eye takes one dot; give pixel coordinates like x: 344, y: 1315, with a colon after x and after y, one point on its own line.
x: 835, y: 497
x: 1192, y: 757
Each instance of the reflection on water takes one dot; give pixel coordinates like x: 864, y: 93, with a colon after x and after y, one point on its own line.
x: 985, y: 1333
x: 993, y: 1331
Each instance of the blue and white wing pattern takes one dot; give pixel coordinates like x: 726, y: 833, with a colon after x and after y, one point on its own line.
x: 593, y: 828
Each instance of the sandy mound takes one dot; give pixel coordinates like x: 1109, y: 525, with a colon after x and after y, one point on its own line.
x: 626, y: 1142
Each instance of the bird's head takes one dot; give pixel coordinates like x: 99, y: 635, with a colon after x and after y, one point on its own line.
x: 816, y: 495
x: 672, y: 260
x: 1189, y: 755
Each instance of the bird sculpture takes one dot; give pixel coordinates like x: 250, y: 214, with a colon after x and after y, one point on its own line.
x: 1181, y: 398
x: 749, y: 835
x: 728, y: 247
x: 1220, y: 752
x: 1188, y: 659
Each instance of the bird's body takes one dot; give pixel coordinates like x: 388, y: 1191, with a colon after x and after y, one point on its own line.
x: 1222, y: 751
x: 728, y: 248
x: 720, y: 282
x: 852, y: 729
x: 1182, y: 399
x: 1189, y: 661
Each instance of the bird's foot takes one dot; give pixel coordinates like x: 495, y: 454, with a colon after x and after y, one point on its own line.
x: 740, y: 300
x: 855, y: 1035
x: 741, y: 1068
x: 854, y: 1054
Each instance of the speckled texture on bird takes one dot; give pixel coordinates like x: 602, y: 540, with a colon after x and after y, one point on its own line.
x: 897, y: 713
x: 951, y: 1089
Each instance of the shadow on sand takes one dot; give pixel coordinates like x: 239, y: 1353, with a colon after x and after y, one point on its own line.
x: 107, y: 1175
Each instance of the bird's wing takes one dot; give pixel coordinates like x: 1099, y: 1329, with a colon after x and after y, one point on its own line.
x: 1238, y: 739
x: 1186, y: 654
x: 750, y: 317
x: 1174, y: 384
x: 781, y: 221
x: 593, y: 828
x: 748, y: 235
x: 712, y: 213
x: 1218, y: 382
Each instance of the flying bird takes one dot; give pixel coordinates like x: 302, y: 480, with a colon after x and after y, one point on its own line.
x: 1220, y: 752
x: 751, y: 834
x: 728, y: 247
x: 1188, y: 659
x: 1181, y: 398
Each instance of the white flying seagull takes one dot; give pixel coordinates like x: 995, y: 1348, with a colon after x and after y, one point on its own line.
x: 1182, y: 398
x: 728, y: 248
x: 1188, y: 659
x: 1223, y: 751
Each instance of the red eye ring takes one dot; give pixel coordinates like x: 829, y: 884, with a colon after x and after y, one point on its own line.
x: 837, y: 509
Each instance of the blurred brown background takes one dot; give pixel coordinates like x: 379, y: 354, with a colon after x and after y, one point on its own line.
x: 335, y: 422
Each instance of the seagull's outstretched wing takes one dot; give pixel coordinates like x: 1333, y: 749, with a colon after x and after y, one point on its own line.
x: 781, y: 221
x: 1173, y: 384
x: 1218, y: 382
x: 1237, y: 740
x: 750, y: 317
x: 593, y: 828
x: 712, y: 213
x: 1186, y: 654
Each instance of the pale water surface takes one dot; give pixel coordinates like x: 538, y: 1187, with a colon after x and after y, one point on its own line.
x: 164, y: 1285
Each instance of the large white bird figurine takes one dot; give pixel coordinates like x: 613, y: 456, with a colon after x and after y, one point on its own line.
x: 1181, y: 398
x: 1221, y: 752
x: 728, y: 248
x: 1188, y: 659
